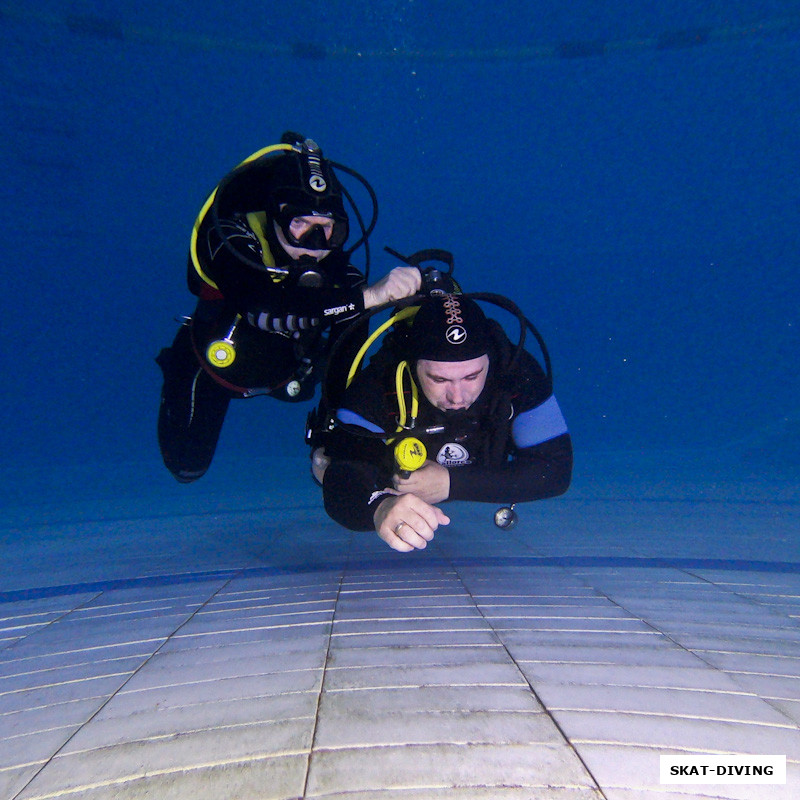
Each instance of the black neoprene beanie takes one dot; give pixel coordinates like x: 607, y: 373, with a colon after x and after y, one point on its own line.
x: 449, y: 328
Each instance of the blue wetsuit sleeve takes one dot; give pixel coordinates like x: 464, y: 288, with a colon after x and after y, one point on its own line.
x: 538, y: 424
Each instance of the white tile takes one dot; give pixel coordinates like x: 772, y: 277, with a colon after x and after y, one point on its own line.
x: 612, y: 675
x: 20, y: 750
x: 27, y: 677
x: 433, y: 698
x: 29, y: 720
x: 632, y: 651
x: 268, y: 778
x: 14, y: 780
x: 54, y: 694
x: 281, y: 634
x: 430, y: 766
x: 703, y: 792
x: 209, y: 625
x: 635, y: 638
x: 443, y: 635
x: 466, y: 793
x: 689, y: 734
x: 345, y: 727
x: 120, y: 722
x: 714, y: 642
x: 519, y: 608
x: 786, y: 687
x: 178, y: 693
x: 789, y: 707
x: 726, y: 706
x: 412, y: 657
x: 624, y: 765
x: 408, y: 624
x: 251, y: 658
x: 439, y: 602
x: 31, y: 656
x: 633, y: 773
x: 408, y: 675
x: 737, y: 661
x: 578, y: 627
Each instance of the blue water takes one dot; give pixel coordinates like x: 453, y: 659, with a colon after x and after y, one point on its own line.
x: 639, y: 200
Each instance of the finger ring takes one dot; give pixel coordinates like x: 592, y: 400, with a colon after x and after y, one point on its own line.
x: 399, y: 525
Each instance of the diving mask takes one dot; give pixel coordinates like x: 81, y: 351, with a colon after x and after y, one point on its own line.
x: 311, y: 229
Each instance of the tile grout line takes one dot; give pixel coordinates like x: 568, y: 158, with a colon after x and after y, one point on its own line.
x: 530, y: 686
x: 63, y: 615
x: 671, y: 638
x: 123, y: 684
x: 750, y: 599
x: 640, y: 617
x: 323, y: 677
x: 753, y: 602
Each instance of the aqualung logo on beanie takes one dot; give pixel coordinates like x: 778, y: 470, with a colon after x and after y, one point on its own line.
x: 455, y: 334
x: 303, y: 180
x: 449, y: 328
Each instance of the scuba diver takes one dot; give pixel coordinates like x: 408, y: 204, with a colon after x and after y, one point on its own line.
x: 275, y: 287
x: 447, y: 409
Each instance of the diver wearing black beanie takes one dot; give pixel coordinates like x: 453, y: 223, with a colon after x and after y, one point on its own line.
x: 449, y: 328
x: 499, y: 437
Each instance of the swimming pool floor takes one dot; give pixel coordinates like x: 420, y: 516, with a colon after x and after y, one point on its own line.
x: 268, y: 653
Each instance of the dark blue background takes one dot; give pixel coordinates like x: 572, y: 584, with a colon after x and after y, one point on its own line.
x: 641, y: 203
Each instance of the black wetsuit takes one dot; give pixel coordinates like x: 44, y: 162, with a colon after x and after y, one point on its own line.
x: 279, y: 330
x: 511, y: 445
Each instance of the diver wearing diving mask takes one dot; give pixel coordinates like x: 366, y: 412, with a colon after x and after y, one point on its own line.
x: 270, y: 268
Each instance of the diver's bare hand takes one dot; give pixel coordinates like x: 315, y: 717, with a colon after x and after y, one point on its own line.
x: 399, y: 283
x: 431, y: 483
x: 405, y: 522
